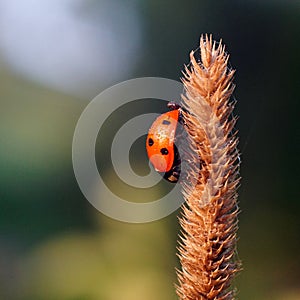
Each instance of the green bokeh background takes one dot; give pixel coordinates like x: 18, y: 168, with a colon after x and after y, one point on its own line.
x: 55, y: 245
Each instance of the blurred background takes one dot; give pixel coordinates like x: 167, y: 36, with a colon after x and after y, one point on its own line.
x: 55, y: 56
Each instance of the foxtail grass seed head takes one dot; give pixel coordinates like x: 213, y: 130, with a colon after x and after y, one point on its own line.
x: 207, y: 249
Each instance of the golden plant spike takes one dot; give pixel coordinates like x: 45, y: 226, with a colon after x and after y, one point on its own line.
x: 207, y: 250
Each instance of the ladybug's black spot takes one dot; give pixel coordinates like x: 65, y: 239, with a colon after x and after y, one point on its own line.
x: 166, y: 122
x: 164, y: 151
x: 150, y: 142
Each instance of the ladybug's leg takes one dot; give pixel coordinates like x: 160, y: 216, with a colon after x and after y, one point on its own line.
x: 173, y: 106
x: 180, y: 117
x: 174, y: 173
x: 172, y: 176
x: 176, y: 169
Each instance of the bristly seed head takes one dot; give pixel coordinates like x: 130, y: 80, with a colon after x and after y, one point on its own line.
x: 209, y: 218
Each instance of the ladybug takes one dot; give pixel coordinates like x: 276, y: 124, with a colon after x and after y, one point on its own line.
x: 160, y: 143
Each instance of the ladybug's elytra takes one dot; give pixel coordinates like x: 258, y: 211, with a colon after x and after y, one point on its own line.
x: 161, y: 149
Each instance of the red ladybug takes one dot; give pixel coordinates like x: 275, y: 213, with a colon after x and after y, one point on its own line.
x: 160, y: 143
